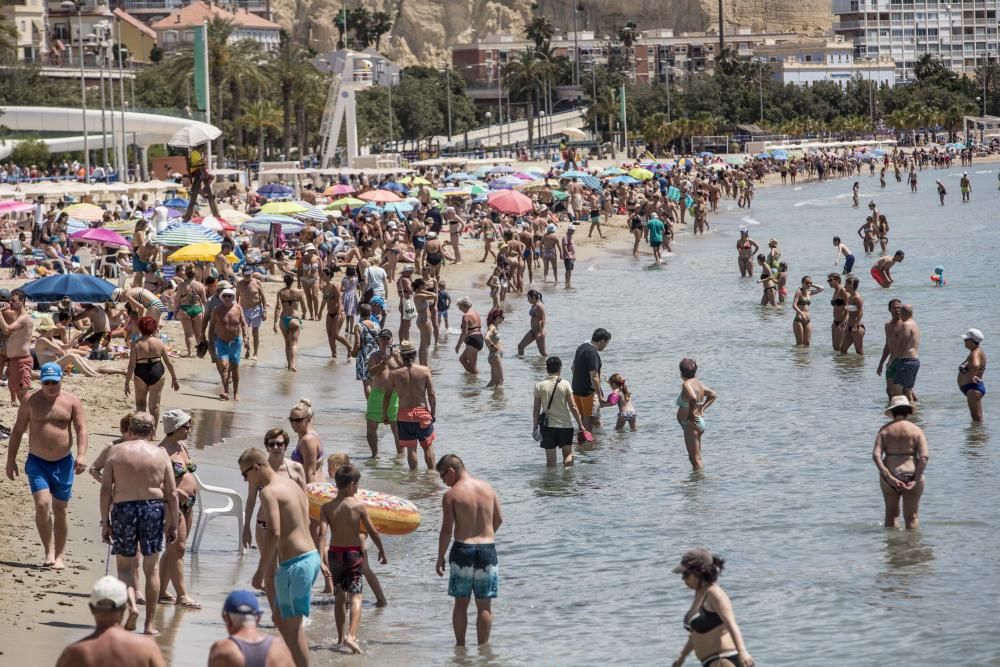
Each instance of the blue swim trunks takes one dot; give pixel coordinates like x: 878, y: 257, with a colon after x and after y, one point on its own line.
x: 137, y: 524
x: 138, y: 265
x: 56, y: 476
x: 474, y: 571
x: 906, y: 372
x: 293, y: 584
x: 230, y: 351
x: 849, y: 263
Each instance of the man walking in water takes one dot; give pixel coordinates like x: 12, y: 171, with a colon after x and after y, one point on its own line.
x: 48, y: 416
x: 901, y: 455
x: 284, y: 520
x: 906, y: 354
x: 891, y: 331
x: 587, y: 379
x: 471, y: 514
x: 227, y: 330
x: 380, y: 363
x: 417, y: 405
x: 138, y: 505
x: 250, y: 296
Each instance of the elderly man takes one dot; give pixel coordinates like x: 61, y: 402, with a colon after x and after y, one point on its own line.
x: 246, y: 645
x: 227, y: 330
x: 138, y: 505
x: 110, y: 643
x: 50, y: 416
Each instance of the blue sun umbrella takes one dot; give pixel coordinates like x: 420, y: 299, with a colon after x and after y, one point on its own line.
x: 262, y: 224
x: 624, y: 179
x: 176, y: 202
x: 502, y: 169
x: 393, y: 187
x: 79, y: 287
x: 613, y: 171
x: 459, y: 176
x: 271, y: 190
x: 400, y: 208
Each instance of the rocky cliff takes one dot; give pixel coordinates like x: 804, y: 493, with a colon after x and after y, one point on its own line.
x: 424, y: 30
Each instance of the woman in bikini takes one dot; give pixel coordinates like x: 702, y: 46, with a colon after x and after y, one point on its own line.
x: 177, y: 428
x: 802, y: 322
x: 309, y: 450
x: 424, y: 299
x: 767, y: 280
x: 488, y: 231
x: 838, y: 329
x: 190, y: 302
x: 493, y: 321
x: 694, y: 399
x: 537, y: 331
x: 855, y: 333
x: 309, y: 280
x: 147, y: 361
x: 745, y: 249
x: 276, y: 443
x: 472, y: 336
x: 290, y: 303
x: 333, y: 304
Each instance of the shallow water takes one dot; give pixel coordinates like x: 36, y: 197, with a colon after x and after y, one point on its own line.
x: 789, y: 497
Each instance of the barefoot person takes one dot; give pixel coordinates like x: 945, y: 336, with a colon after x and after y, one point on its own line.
x: 138, y: 506
x: 472, y: 336
x: 284, y: 519
x: 881, y: 272
x: 587, y: 392
x: 227, y: 330
x: 147, y: 361
x: 250, y: 295
x: 694, y: 399
x: 906, y: 354
x: 891, y: 331
x: 536, y: 332
x: 855, y: 333
x: 177, y: 427
x: 417, y: 405
x: 246, y: 645
x: 713, y: 635
x: 471, y: 515
x: 553, y: 414
x: 16, y: 326
x: 50, y: 416
x: 380, y: 363
x: 110, y: 643
x: 802, y: 322
x: 901, y: 455
x: 971, y: 371
x: 190, y: 300
x: 346, y: 517
x: 291, y: 302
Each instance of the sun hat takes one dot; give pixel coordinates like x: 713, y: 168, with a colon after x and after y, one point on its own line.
x: 975, y: 335
x: 229, y: 291
x: 550, y: 228
x: 108, y: 593
x: 45, y: 323
x: 694, y: 559
x: 898, y: 402
x: 407, y: 347
x: 241, y: 602
x: 224, y: 285
x: 51, y: 372
x: 174, y: 420
x: 309, y: 247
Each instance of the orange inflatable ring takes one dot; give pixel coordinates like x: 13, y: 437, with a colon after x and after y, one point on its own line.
x: 391, y: 515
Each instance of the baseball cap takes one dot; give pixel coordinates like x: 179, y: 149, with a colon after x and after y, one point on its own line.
x: 696, y: 559
x: 228, y: 292
x: 51, y: 371
x: 241, y: 602
x: 108, y: 593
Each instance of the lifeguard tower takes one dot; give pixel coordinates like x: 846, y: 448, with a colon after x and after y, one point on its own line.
x: 351, y: 74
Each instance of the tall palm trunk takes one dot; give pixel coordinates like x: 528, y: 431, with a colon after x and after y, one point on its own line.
x: 531, y: 123
x: 220, y: 158
x: 300, y: 126
x: 286, y: 121
x: 237, y: 105
x: 260, y: 144
x: 611, y: 133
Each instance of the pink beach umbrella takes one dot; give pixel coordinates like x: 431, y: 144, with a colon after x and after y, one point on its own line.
x: 101, y: 236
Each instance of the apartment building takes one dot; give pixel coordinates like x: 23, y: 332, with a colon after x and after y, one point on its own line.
x: 808, y: 60
x: 28, y: 18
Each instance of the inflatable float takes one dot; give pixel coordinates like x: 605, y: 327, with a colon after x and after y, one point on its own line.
x: 391, y: 515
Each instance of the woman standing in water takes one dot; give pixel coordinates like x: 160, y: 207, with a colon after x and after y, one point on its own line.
x: 309, y: 450
x: 177, y: 427
x: 714, y: 635
x: 365, y: 343
x: 970, y: 373
x: 423, y: 300
x: 537, y: 331
x: 333, y: 304
x: 472, y: 336
x: 290, y: 303
x: 746, y: 247
x: 802, y: 323
x: 493, y: 321
x: 855, y: 332
x: 693, y: 401
x: 838, y: 329
x: 767, y: 280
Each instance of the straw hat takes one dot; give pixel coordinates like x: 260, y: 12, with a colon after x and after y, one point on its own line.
x: 898, y: 402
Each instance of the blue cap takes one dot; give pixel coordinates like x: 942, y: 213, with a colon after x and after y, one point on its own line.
x: 378, y: 301
x: 241, y: 602
x: 51, y: 371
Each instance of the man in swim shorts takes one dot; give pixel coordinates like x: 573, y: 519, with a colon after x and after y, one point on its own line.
x: 250, y: 296
x: 284, y: 522
x: 587, y: 377
x: 138, y: 505
x: 471, y: 515
x: 16, y: 324
x: 417, y: 405
x: 907, y: 361
x: 48, y: 417
x: 891, y: 331
x: 381, y: 361
x: 881, y: 271
x: 227, y: 331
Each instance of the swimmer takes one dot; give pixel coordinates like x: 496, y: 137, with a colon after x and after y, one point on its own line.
x: 843, y: 250
x: 782, y: 282
x: 838, y: 328
x: 855, y: 193
x: 941, y: 191
x: 536, y: 333
x: 966, y: 185
x: 901, y: 455
x: 802, y: 322
x: 970, y: 373
x: 694, y: 399
x: 746, y: 248
x: 768, y: 281
x: 621, y: 397
x: 493, y: 321
x: 855, y: 333
x: 881, y: 272
x: 472, y: 336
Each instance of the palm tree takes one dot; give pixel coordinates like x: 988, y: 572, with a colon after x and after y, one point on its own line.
x: 540, y: 31
x: 245, y: 77
x: 381, y: 23
x: 260, y: 116
x: 656, y: 131
x: 309, y: 93
x: 524, y: 76
x: 285, y: 67
x: 627, y: 34
x: 605, y: 107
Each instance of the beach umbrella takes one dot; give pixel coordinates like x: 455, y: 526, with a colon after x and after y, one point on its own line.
x: 176, y: 202
x: 200, y: 252
x: 345, y: 201
x: 184, y: 234
x: 574, y: 133
x: 434, y: 194
x: 459, y: 176
x: 262, y: 224
x: 573, y: 173
x: 524, y: 177
x: 501, y: 169
x: 79, y: 287
x: 310, y: 212
x: 454, y: 192
x: 612, y: 171
x: 194, y: 135
x: 510, y: 201
x: 538, y: 171
x: 476, y: 187
x: 560, y: 195
x: 101, y: 236
x: 85, y: 212
x: 214, y: 223
x: 705, y: 154
x: 534, y: 185
x: 282, y: 207
x: 338, y: 189
x: 640, y: 173
x: 400, y: 208
x: 380, y: 196
x: 392, y: 186
x: 14, y: 206
x: 234, y: 216
x: 624, y: 179
x: 415, y: 180
x: 272, y: 190
x: 74, y: 225
x: 763, y: 156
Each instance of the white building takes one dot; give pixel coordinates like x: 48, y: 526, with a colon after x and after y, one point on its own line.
x: 179, y: 26
x: 962, y: 33
x: 805, y: 61
x: 28, y: 18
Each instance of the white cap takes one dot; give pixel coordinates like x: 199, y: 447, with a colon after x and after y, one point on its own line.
x: 228, y: 292
x: 550, y: 228
x: 109, y: 593
x: 975, y: 335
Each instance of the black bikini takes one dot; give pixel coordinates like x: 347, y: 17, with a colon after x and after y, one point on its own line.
x: 150, y: 371
x: 703, y: 621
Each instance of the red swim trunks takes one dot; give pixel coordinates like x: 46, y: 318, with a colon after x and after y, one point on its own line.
x: 19, y: 373
x: 416, y: 425
x: 880, y: 276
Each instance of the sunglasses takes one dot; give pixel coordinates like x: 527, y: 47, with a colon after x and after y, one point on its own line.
x: 50, y: 383
x: 244, y: 473
x: 276, y: 443
x: 296, y: 420
x: 445, y: 473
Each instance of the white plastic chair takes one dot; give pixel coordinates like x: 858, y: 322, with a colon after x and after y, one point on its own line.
x: 86, y: 260
x: 233, y: 507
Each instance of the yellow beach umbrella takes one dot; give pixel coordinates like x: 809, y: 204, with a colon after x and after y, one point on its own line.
x: 201, y: 252
x: 353, y: 202
x: 282, y: 208
x: 414, y: 180
x: 640, y: 174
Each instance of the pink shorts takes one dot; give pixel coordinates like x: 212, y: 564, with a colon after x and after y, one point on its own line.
x: 19, y: 373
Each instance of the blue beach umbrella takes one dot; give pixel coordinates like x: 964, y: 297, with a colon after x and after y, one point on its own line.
x: 502, y: 169
x: 612, y: 171
x: 271, y: 190
x: 262, y: 223
x: 393, y: 187
x: 176, y: 202
x: 459, y: 176
x: 624, y: 179
x: 79, y: 287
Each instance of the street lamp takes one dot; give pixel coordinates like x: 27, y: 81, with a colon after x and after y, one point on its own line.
x: 70, y: 5
x: 488, y: 126
x: 447, y: 75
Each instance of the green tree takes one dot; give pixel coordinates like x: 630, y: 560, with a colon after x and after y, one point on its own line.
x: 8, y: 41
x: 524, y: 77
x: 540, y: 31
x: 381, y: 24
x: 30, y: 151
x: 260, y: 116
x: 285, y: 66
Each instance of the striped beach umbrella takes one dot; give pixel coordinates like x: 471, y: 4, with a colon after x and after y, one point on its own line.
x: 283, y: 207
x: 85, y: 212
x: 185, y: 234
x: 310, y: 212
